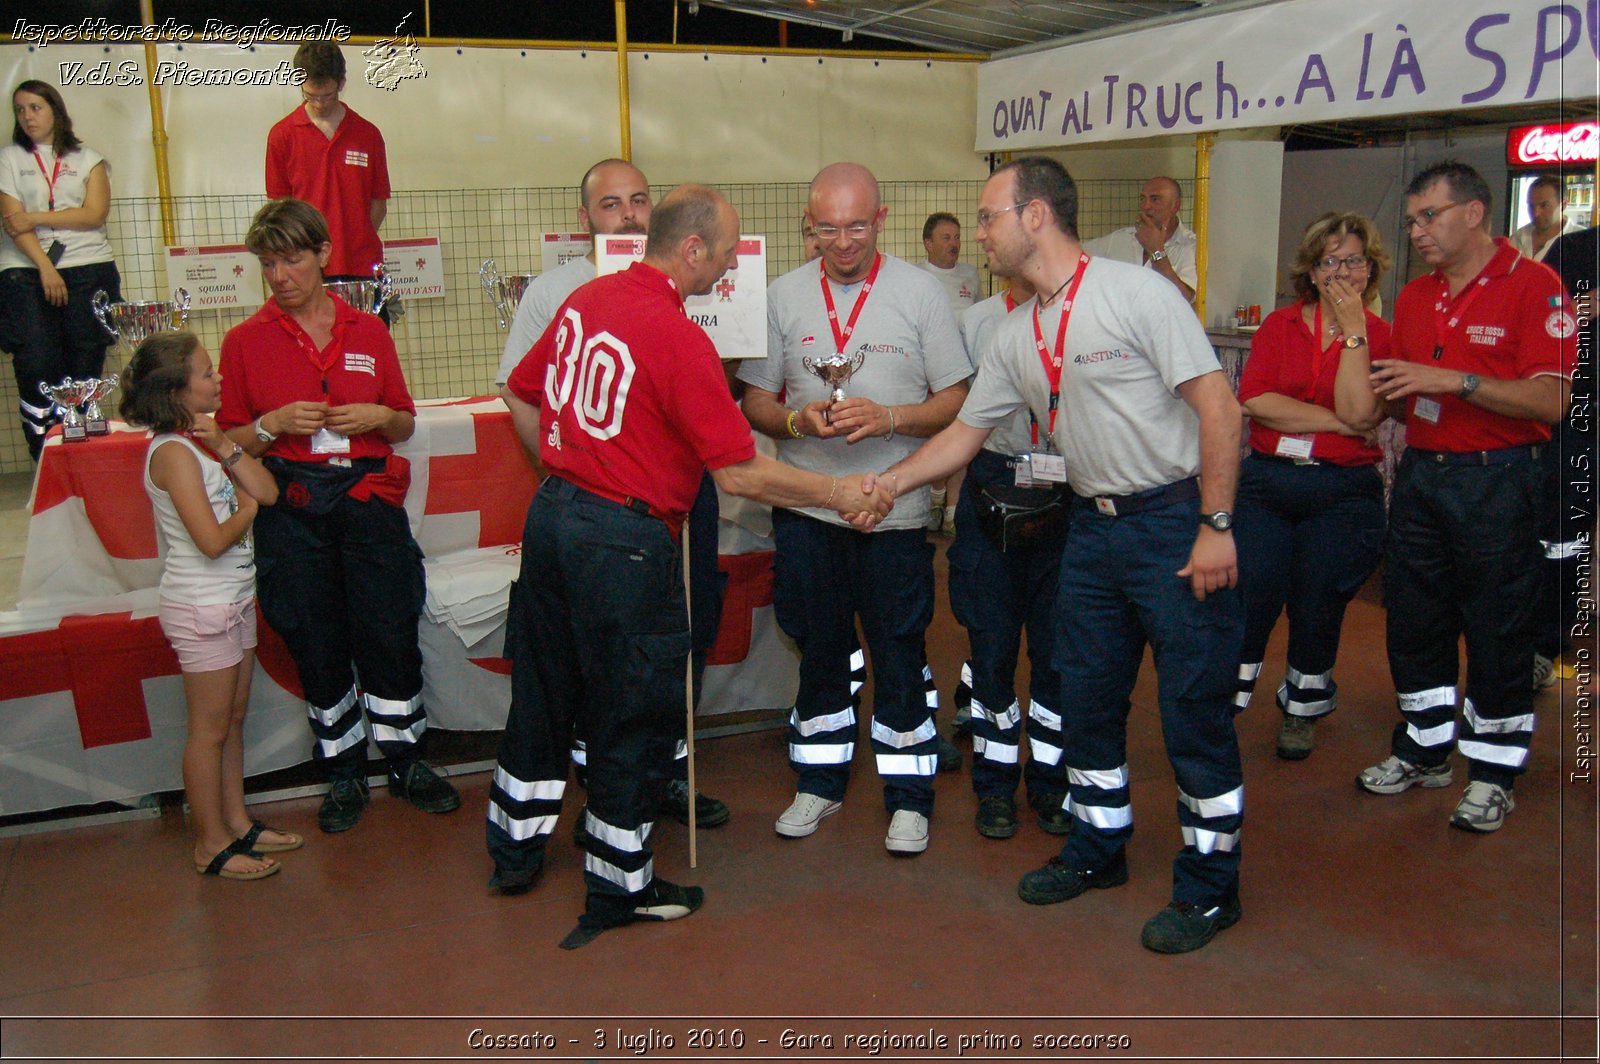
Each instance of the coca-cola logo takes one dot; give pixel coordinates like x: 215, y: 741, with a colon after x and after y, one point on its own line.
x: 1539, y: 145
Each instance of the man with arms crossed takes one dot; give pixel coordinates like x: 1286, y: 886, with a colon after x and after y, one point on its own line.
x: 1142, y: 423
x: 1158, y: 240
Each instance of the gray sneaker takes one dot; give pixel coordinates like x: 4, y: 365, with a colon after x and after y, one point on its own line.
x: 1483, y: 808
x: 1296, y: 736
x: 1393, y: 775
x: 1544, y: 672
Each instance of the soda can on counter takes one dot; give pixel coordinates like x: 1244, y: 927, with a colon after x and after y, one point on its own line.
x: 1255, y: 314
x: 1239, y: 316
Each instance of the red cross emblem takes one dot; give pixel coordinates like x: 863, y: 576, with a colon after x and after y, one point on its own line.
x: 422, y: 263
x: 496, y: 480
x: 725, y: 290
x: 238, y: 271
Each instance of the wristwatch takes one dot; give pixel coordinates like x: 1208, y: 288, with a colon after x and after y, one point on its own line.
x: 1353, y: 342
x: 261, y: 432
x: 233, y: 457
x: 1469, y: 384
x: 1222, y: 520
x: 1158, y: 254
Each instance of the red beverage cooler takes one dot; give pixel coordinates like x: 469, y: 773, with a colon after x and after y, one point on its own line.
x: 1565, y: 150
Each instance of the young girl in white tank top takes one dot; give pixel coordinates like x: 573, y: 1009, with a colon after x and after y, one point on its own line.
x: 205, y: 490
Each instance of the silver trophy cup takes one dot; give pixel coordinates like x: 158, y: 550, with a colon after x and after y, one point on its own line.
x: 94, y: 422
x: 67, y: 397
x: 370, y: 296
x: 132, y: 322
x: 505, y: 290
x: 835, y: 372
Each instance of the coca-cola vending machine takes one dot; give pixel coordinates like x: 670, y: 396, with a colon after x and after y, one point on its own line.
x: 1566, y: 151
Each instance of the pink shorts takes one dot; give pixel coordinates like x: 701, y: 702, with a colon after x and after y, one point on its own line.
x: 208, y: 638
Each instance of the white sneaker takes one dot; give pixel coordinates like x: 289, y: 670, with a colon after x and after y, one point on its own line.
x: 803, y: 815
x: 1483, y: 808
x: 908, y: 833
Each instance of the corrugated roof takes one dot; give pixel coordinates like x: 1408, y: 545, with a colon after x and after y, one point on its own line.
x: 982, y: 26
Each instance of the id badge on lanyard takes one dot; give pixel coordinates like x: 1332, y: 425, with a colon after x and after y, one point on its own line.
x: 1046, y: 467
x: 324, y: 440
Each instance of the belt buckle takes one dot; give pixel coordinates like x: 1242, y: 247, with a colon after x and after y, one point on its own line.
x: 1105, y: 505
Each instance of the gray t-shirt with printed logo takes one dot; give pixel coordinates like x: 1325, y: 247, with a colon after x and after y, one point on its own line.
x: 1131, y: 341
x: 913, y: 349
x: 978, y: 324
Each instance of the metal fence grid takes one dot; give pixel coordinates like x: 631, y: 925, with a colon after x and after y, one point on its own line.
x: 451, y: 346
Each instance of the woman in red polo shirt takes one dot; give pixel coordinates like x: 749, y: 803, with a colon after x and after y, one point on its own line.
x: 1309, y: 518
x: 315, y: 386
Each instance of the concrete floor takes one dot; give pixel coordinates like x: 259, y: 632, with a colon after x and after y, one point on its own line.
x: 1371, y: 929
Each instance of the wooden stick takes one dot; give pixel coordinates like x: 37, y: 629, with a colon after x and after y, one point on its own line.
x: 688, y: 704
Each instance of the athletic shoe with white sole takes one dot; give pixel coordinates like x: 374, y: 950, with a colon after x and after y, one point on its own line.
x: 803, y: 815
x: 908, y: 833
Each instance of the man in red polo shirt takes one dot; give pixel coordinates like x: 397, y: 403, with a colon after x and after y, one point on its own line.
x: 326, y: 154
x: 1483, y: 366
x: 625, y: 401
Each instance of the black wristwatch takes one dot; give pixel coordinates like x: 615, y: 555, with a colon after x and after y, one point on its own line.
x: 1469, y: 384
x: 1222, y: 520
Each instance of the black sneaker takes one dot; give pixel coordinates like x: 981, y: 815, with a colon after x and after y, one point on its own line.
x: 341, y: 807
x: 423, y: 788
x: 668, y: 901
x: 1184, y: 926
x: 661, y: 901
x: 510, y: 884
x: 997, y: 817
x: 1049, y: 810
x: 1056, y: 882
x: 708, y: 811
x: 949, y: 756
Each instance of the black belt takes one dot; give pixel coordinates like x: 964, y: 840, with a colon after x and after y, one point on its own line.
x: 1527, y: 452
x: 1123, y: 505
x: 1284, y: 459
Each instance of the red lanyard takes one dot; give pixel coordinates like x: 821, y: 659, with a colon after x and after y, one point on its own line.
x: 1053, y: 362
x: 840, y: 339
x: 1011, y: 304
x: 50, y: 178
x: 1444, y: 322
x: 308, y: 347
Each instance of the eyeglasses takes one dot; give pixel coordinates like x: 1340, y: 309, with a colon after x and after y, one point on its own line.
x: 831, y: 232
x: 1424, y: 218
x: 1349, y: 262
x: 319, y: 97
x: 985, y: 217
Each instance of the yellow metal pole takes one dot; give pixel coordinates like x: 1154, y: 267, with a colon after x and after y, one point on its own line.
x: 427, y: 18
x: 622, y: 81
x: 1202, y: 216
x: 158, y: 132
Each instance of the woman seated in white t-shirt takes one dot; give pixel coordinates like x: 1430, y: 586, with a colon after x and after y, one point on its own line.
x: 54, y: 197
